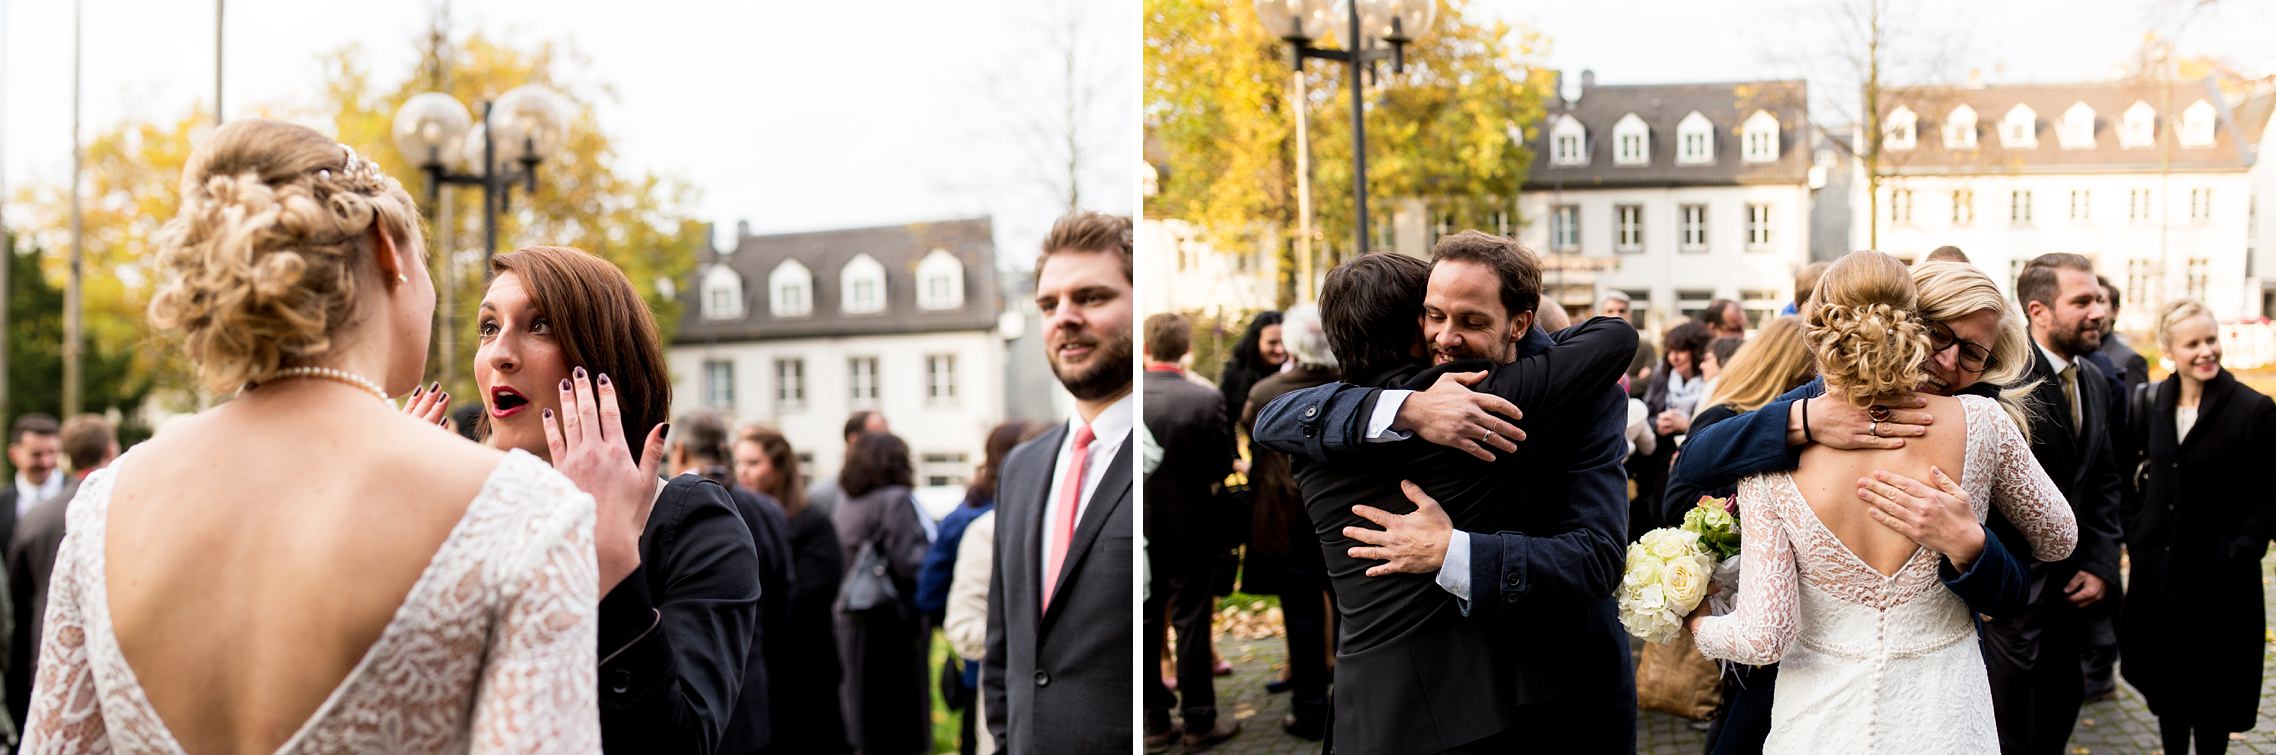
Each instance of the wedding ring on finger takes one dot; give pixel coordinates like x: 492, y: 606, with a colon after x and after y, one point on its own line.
x: 1874, y: 429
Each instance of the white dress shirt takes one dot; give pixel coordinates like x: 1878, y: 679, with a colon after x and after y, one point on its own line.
x: 29, y: 495
x: 1110, y: 429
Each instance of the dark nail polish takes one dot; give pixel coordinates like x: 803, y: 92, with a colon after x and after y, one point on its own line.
x: 580, y: 373
x: 416, y: 390
x: 438, y: 385
x: 667, y: 429
x: 604, y: 378
x: 548, y: 414
x: 564, y: 384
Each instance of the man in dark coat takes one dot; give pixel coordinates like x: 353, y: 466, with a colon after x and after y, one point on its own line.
x: 1188, y: 419
x: 90, y: 443
x: 1283, y: 558
x: 700, y: 447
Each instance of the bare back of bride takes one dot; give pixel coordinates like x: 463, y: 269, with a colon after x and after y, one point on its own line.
x: 304, y: 568
x: 1875, y: 655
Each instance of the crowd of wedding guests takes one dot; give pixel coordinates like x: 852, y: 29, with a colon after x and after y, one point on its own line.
x: 556, y: 568
x: 2171, y: 472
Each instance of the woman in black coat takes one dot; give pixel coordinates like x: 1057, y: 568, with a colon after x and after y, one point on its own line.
x: 2192, y: 631
x: 884, y: 696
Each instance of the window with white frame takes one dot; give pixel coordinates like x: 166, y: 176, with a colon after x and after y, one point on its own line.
x: 1899, y: 132
x: 1900, y: 206
x: 2138, y: 276
x: 2077, y: 129
x: 1761, y: 135
x: 1758, y: 227
x: 944, y: 469
x: 1628, y: 221
x: 940, y: 281
x: 2200, y: 204
x: 719, y: 384
x: 2198, y: 271
x: 1639, y: 306
x: 789, y: 384
x: 1565, y: 228
x: 1568, y: 142
x: 2138, y: 205
x: 1632, y: 141
x: 2082, y: 207
x: 940, y: 377
x: 790, y: 290
x: 1963, y: 206
x: 1691, y: 221
x: 1695, y: 136
x: 2140, y: 130
x: 722, y: 293
x: 2197, y: 125
x: 1760, y: 305
x: 2020, y: 129
x: 1960, y: 128
x: 862, y: 284
x: 1692, y: 301
x: 861, y: 380
x: 2019, y: 207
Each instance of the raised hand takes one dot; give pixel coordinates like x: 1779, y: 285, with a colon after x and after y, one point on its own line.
x: 588, y: 447
x: 1938, y: 518
x: 1414, y: 543
x: 429, y: 403
x: 1452, y: 415
x: 1835, y: 423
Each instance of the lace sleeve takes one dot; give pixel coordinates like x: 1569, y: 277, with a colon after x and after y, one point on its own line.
x: 66, y: 715
x: 2022, y: 490
x: 1765, y: 621
x: 540, y: 690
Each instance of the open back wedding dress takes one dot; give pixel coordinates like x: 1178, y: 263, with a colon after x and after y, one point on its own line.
x: 493, y: 650
x: 1874, y: 663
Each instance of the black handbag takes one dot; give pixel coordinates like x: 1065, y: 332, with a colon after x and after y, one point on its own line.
x: 868, y: 588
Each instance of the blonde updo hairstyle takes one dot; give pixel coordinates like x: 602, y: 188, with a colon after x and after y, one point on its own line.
x: 260, y: 266
x: 1862, y: 325
x: 2176, y: 313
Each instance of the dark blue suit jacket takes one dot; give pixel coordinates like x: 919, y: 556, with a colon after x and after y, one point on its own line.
x: 1755, y: 442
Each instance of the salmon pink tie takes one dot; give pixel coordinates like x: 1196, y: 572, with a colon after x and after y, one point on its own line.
x: 1070, y: 504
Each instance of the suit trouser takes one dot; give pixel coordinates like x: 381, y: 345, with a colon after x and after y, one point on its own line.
x: 1567, y: 727
x: 2036, y: 683
x: 1304, y: 612
x: 1182, y: 587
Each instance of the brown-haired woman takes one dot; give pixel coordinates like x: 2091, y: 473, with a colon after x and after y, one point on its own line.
x: 2193, y: 632
x: 886, y: 706
x: 559, y: 328
x: 807, y: 687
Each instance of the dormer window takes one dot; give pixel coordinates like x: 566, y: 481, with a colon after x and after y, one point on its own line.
x: 1631, y: 141
x: 790, y: 290
x: 2020, y: 129
x: 2140, y: 131
x: 1761, y: 136
x: 2197, y: 125
x: 1900, y: 133
x: 940, y: 281
x: 722, y: 294
x: 1960, y: 128
x: 1568, y: 142
x: 862, y: 286
x: 2077, y: 131
x: 1695, y: 140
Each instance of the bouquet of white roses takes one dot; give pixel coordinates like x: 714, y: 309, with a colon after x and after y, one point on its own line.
x: 1669, y: 569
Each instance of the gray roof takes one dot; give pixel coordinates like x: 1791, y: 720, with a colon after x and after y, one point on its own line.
x: 2234, y: 132
x: 1662, y: 107
x: 825, y: 253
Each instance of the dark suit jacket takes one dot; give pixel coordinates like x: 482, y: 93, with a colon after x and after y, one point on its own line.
x: 1720, y: 453
x: 2081, y: 467
x: 31, y: 558
x: 1413, y: 674
x: 759, y: 709
x: 1061, y: 680
x: 1188, y: 420
x: 675, y: 634
x: 805, y: 684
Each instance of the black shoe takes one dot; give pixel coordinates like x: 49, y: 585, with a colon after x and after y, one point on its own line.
x: 1162, y: 742
x: 1216, y: 735
x: 1315, y: 729
x: 1278, y: 686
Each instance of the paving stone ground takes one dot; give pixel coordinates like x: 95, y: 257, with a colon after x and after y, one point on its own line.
x: 2120, y: 726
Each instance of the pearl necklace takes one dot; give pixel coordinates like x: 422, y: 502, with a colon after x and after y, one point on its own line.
x: 325, y: 373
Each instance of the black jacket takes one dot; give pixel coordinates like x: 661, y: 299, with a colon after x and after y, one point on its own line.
x: 758, y: 708
x: 2080, y: 464
x: 675, y: 634
x: 805, y: 684
x: 1188, y: 420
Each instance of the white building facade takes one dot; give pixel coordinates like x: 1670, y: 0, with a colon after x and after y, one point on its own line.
x: 798, y: 331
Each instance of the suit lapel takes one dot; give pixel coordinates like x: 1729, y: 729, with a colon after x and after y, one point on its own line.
x: 1113, y: 489
x: 1030, y: 523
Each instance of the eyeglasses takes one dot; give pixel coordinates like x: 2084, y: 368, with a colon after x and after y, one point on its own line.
x: 1973, y: 358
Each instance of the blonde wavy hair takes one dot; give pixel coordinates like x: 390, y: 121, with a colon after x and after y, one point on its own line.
x: 1775, y: 361
x: 2177, y: 312
x: 1864, y: 328
x: 260, y: 265
x: 1952, y: 290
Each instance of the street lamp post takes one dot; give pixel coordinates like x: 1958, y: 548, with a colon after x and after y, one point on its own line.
x: 520, y: 129
x: 1372, y: 30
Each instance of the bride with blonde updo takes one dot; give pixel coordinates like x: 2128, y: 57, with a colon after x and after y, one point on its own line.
x: 304, y: 568
x: 1875, y: 655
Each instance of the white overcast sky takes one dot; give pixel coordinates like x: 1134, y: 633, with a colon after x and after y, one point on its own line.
x: 791, y: 115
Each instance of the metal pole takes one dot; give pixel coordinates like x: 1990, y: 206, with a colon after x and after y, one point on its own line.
x: 217, y: 16
x: 1358, y: 138
x: 7, y: 241
x: 78, y: 237
x: 1304, y: 292
x: 490, y: 190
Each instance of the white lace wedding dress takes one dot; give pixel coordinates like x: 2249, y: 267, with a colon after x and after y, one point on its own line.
x: 1873, y: 663
x: 493, y: 650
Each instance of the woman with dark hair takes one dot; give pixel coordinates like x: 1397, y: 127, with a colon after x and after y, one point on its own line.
x: 1258, y: 355
x: 807, y: 688
x: 939, y: 569
x: 557, y: 327
x: 1670, y: 401
x: 883, y: 646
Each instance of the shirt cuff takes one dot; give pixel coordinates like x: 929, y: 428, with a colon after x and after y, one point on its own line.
x: 1454, y: 571
x: 1387, y: 411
